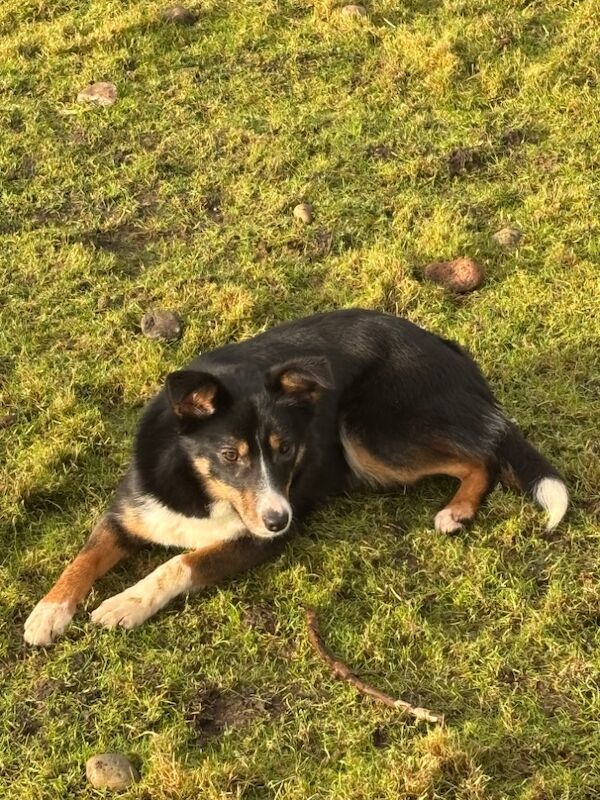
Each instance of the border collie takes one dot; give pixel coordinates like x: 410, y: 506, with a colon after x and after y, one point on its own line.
x: 251, y: 436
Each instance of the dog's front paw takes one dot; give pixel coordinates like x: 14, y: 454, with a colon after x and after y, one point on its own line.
x: 47, y: 622
x: 446, y: 521
x: 126, y: 609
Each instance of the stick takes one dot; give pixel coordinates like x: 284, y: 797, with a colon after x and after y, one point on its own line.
x: 344, y: 672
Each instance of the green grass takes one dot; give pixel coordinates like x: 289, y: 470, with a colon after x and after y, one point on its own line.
x: 105, y: 213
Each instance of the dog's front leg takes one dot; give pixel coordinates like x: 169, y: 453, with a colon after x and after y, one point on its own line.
x: 199, y: 569
x: 107, y: 545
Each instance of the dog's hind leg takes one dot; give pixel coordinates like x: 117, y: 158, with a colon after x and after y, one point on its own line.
x: 107, y: 545
x: 476, y: 480
x: 475, y: 475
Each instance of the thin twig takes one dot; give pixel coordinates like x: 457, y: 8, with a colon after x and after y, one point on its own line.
x: 344, y: 672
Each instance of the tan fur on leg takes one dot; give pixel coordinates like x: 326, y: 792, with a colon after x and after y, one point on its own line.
x: 475, y: 482
x: 52, y: 614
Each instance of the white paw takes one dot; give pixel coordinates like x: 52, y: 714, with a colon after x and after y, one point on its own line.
x: 445, y: 522
x: 46, y: 622
x: 126, y: 609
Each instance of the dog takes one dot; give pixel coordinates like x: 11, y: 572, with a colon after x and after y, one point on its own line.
x: 250, y: 436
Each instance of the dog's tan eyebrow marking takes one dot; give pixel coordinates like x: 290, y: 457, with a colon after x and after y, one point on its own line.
x: 242, y: 447
x: 274, y: 441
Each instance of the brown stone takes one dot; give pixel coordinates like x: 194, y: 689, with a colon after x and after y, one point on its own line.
x: 460, y: 275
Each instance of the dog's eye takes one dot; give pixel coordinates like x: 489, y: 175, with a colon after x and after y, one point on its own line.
x: 284, y: 447
x: 230, y: 454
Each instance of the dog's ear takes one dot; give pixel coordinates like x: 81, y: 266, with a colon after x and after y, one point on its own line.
x: 300, y: 380
x: 195, y: 395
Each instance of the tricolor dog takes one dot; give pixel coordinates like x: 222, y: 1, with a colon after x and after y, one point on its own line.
x: 251, y: 436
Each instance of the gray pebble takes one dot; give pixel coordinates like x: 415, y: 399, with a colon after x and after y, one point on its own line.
x: 354, y: 11
x: 507, y: 237
x: 110, y: 771
x: 180, y: 15
x: 304, y: 213
x: 160, y: 324
x: 100, y: 93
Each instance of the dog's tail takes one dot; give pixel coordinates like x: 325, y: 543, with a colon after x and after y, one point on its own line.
x: 524, y: 468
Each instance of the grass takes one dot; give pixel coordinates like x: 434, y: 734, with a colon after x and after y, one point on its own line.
x: 180, y: 196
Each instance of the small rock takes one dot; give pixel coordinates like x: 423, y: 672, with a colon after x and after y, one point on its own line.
x: 179, y: 15
x: 110, y: 771
x: 101, y: 93
x: 8, y: 420
x: 304, y: 213
x: 460, y: 275
x: 507, y: 237
x: 354, y: 11
x: 159, y: 324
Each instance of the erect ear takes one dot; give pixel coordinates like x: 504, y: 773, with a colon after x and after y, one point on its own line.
x: 301, y: 380
x: 195, y: 395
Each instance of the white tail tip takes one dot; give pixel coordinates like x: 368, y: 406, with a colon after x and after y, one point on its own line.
x: 552, y: 496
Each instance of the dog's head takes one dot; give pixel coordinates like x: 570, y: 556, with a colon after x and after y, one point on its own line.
x: 245, y: 445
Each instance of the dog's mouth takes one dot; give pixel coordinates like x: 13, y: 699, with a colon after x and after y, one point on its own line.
x: 265, y: 511
x: 267, y: 515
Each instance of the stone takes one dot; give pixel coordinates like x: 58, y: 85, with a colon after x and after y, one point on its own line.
x: 111, y: 771
x: 460, y: 275
x: 507, y: 237
x: 101, y: 93
x: 179, y: 15
x: 304, y: 213
x: 161, y: 324
x: 354, y: 11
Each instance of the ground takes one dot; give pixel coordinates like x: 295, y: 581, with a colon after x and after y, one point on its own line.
x: 415, y: 133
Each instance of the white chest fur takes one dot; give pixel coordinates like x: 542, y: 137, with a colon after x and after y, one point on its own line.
x: 156, y: 523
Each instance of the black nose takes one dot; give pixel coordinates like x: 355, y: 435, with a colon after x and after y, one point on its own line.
x: 276, y: 521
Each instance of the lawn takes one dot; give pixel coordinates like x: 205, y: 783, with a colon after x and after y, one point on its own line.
x: 415, y: 133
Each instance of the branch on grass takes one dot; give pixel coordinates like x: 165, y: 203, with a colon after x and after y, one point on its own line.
x: 345, y: 673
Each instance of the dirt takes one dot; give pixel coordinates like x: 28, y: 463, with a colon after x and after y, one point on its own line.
x: 46, y: 687
x: 380, y: 738
x: 465, y: 159
x: 211, y: 205
x: 513, y: 137
x: 215, y: 710
x: 25, y: 723
x: 262, y: 619
x: 322, y: 242
x: 381, y: 152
